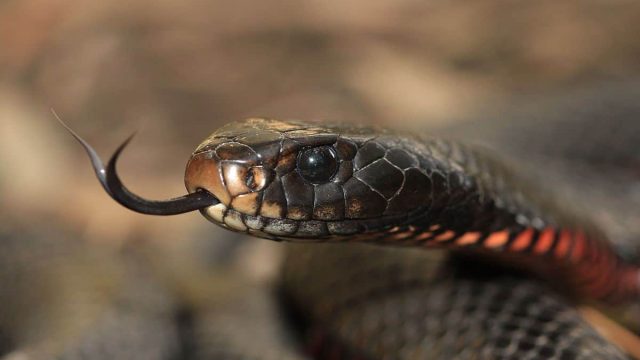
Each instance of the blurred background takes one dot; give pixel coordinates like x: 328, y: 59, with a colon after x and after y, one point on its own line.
x: 176, y: 70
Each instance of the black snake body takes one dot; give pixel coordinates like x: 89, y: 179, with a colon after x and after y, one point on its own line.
x: 398, y: 190
x: 509, y: 259
x: 417, y: 192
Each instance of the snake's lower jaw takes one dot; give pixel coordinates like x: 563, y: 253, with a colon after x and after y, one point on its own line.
x: 217, y: 215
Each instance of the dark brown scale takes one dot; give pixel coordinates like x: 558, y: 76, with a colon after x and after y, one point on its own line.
x: 345, y: 171
x: 362, y: 201
x: 315, y: 139
x: 233, y: 151
x: 459, y: 214
x: 485, y: 218
x: 274, y: 198
x: 288, y: 145
x: 346, y: 149
x: 329, y: 202
x: 268, y: 150
x: 401, y: 159
x: 382, y: 177
x: 368, y: 153
x: 257, y: 138
x: 415, y: 188
x: 299, y: 194
x: 439, y: 190
x: 286, y: 163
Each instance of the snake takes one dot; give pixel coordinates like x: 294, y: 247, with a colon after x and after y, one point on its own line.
x: 403, y: 245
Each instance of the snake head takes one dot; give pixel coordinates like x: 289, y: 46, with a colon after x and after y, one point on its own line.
x: 291, y: 180
x: 294, y: 180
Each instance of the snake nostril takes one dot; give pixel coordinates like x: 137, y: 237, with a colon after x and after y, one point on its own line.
x: 257, y: 178
x: 250, y: 180
x: 242, y: 179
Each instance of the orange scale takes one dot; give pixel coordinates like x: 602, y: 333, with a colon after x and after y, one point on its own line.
x: 496, y: 239
x: 469, y: 238
x: 402, y: 235
x: 423, y: 236
x: 564, y: 244
x: 523, y: 240
x: 445, y: 236
x: 545, y: 241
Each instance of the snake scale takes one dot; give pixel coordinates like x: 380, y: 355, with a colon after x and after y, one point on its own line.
x: 478, y: 260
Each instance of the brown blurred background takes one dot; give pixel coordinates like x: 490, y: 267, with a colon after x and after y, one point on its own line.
x: 176, y: 70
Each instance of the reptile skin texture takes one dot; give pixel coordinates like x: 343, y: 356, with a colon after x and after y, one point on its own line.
x: 401, y: 190
x: 408, y: 304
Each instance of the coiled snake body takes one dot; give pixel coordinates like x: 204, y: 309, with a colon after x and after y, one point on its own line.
x: 500, y: 242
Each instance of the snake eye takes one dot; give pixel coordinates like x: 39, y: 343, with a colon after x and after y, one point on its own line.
x: 318, y: 164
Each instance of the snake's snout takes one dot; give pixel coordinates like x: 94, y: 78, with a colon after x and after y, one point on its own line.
x: 237, y: 184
